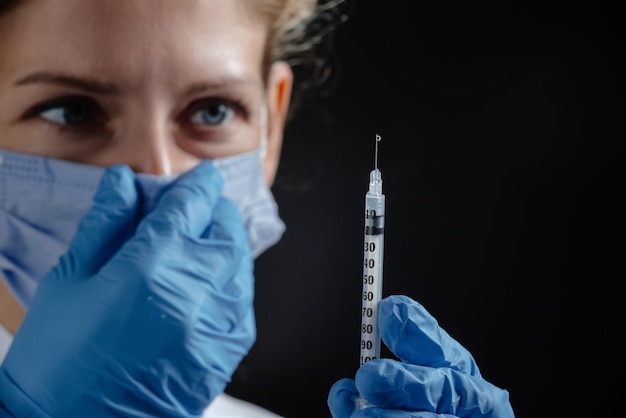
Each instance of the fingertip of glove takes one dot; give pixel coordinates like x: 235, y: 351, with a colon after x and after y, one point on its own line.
x: 117, y: 173
x: 369, y: 372
x: 404, y: 309
x: 393, y: 300
x: 117, y: 184
x: 403, y: 323
x: 202, y: 183
x: 199, y: 174
x: 377, y: 379
x: 228, y: 226
x: 227, y: 208
x: 341, y: 398
x: 344, y: 384
x: 227, y: 214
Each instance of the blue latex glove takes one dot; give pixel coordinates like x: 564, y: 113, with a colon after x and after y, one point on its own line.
x: 145, y: 319
x: 437, y: 376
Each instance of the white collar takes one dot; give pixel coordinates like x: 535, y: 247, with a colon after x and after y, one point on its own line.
x: 6, y: 338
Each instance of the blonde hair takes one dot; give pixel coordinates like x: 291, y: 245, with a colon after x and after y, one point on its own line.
x: 301, y: 34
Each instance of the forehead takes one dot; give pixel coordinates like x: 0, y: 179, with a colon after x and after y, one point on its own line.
x: 136, y: 38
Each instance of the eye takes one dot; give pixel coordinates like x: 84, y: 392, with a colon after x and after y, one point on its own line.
x: 212, y: 114
x: 72, y: 111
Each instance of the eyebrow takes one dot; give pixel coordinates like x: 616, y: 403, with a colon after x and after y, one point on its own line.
x: 86, y: 84
x: 218, y: 83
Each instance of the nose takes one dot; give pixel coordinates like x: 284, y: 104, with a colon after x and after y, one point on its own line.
x: 151, y: 148
x: 153, y: 155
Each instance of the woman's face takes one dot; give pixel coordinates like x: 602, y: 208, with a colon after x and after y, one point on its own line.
x: 155, y: 84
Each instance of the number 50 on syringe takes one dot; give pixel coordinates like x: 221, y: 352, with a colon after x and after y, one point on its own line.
x: 372, y: 263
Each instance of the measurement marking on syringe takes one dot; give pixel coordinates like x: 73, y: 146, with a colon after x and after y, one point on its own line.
x: 372, y: 264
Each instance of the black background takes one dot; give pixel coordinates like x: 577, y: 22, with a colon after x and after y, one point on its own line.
x: 501, y: 122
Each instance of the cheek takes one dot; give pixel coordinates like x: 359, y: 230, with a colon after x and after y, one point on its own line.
x: 21, y: 139
x: 41, y: 139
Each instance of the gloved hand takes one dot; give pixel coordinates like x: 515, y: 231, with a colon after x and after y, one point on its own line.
x: 138, y: 319
x: 436, y: 377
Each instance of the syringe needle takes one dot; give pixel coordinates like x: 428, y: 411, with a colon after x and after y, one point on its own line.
x: 378, y: 138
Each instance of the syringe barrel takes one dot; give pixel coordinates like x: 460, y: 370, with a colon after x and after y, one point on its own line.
x: 372, y: 274
x: 372, y: 270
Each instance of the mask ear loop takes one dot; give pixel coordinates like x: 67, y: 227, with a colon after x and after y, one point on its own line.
x: 263, y: 134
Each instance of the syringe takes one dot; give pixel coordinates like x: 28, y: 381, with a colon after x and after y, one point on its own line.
x: 372, y: 267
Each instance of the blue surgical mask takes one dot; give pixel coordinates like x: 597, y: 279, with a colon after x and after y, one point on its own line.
x: 42, y: 201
